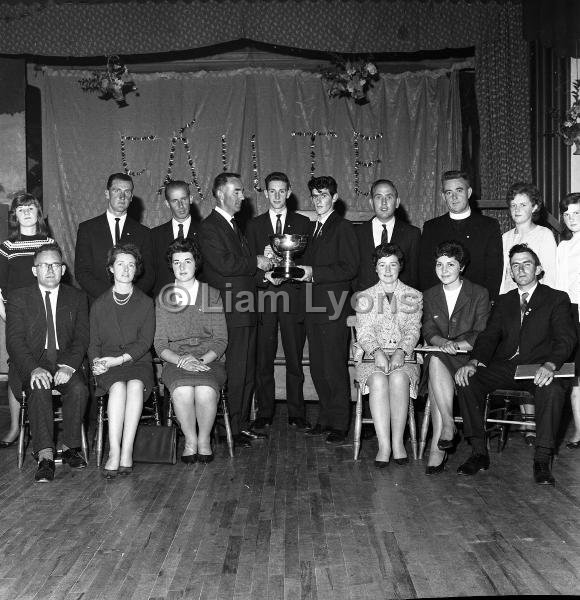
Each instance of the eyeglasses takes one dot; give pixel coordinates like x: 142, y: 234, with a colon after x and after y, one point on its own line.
x: 48, y: 266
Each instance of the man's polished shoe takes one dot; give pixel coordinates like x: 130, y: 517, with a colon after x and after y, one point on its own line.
x: 474, y: 464
x: 74, y: 458
x: 318, y: 429
x: 241, y: 441
x: 298, y: 423
x: 336, y: 437
x: 261, y: 423
x: 253, y: 435
x: 542, y: 473
x: 45, y: 471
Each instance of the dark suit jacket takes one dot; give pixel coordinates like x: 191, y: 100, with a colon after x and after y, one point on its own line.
x: 161, y: 237
x: 258, y: 233
x: 469, y: 315
x: 26, y: 328
x: 230, y: 267
x: 334, y: 258
x: 405, y: 236
x: 547, y: 332
x: 482, y: 238
x: 94, y: 242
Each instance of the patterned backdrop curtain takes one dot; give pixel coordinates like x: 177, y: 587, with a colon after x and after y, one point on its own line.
x: 417, y: 114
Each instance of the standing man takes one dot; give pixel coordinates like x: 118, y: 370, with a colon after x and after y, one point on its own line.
x: 96, y: 237
x: 479, y: 234
x: 331, y: 262
x: 289, y: 314
x: 385, y: 228
x: 529, y: 325
x: 231, y: 267
x: 178, y: 199
x: 47, y: 334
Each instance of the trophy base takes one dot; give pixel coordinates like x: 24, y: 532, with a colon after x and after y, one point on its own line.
x: 289, y: 272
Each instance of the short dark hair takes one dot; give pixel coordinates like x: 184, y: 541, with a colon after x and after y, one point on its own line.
x: 25, y: 199
x: 532, y: 192
x: 174, y: 184
x: 383, y: 250
x: 183, y: 245
x: 277, y: 176
x: 124, y: 248
x: 120, y: 177
x: 572, y: 198
x: 448, y: 175
x: 524, y: 248
x: 453, y: 249
x: 51, y: 247
x: 323, y: 182
x: 383, y: 182
x: 222, y: 179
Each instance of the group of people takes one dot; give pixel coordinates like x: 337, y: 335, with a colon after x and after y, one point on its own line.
x: 218, y: 309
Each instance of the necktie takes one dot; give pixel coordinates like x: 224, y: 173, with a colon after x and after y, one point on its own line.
x: 238, y: 231
x: 278, y: 224
x: 117, y: 230
x: 180, y: 231
x: 524, y: 304
x: 50, y: 333
x: 318, y: 228
x: 384, y: 235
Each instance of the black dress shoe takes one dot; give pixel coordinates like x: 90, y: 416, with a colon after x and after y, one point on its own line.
x: 381, y: 464
x: 542, y: 473
x: 45, y: 471
x: 573, y: 445
x: 4, y: 444
x: 335, y: 437
x: 241, y: 441
x: 125, y: 470
x: 401, y: 461
x: 437, y: 468
x: 261, y: 423
x: 189, y: 459
x: 298, y: 423
x: 204, y: 459
x: 474, y: 464
x: 318, y: 429
x: 443, y: 444
x: 253, y: 435
x: 74, y: 458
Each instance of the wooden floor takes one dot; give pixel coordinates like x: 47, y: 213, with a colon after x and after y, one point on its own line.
x: 290, y: 518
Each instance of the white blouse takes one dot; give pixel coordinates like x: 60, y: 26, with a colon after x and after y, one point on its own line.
x: 568, y: 271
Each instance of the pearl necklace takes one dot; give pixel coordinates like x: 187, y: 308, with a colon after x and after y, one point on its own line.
x: 123, y: 301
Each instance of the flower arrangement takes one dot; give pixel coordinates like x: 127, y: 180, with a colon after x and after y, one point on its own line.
x: 351, y: 79
x: 569, y: 129
x: 115, y: 82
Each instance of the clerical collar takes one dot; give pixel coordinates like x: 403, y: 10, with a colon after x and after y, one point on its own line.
x: 460, y: 216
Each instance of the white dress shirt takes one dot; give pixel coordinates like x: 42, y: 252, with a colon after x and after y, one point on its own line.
x: 175, y: 224
x: 111, y: 219
x: 378, y: 229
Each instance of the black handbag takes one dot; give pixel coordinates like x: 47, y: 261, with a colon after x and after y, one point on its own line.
x: 155, y: 444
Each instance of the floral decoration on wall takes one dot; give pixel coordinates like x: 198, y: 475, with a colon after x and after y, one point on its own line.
x: 350, y: 78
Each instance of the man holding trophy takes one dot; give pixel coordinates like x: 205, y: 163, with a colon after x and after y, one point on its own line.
x: 281, y: 306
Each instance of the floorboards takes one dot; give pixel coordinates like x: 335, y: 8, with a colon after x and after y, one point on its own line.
x: 291, y: 518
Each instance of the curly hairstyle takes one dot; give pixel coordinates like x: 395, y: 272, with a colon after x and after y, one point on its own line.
x: 323, y: 182
x: 185, y: 245
x: 124, y: 248
x: 532, y: 192
x: 384, y: 250
x: 453, y: 249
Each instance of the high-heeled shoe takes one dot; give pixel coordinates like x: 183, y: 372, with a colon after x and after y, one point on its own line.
x: 573, y: 445
x: 110, y: 473
x: 401, y: 461
x: 125, y: 470
x: 444, y: 444
x: 381, y: 464
x: 189, y: 459
x: 204, y: 458
x: 437, y: 468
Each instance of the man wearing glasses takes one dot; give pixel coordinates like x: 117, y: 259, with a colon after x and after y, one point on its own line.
x: 531, y: 325
x: 47, y: 335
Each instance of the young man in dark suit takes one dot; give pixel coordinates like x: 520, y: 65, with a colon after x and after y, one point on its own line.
x: 178, y: 199
x: 97, y: 236
x: 384, y: 227
x: 230, y: 266
x: 479, y: 234
x: 330, y: 262
x: 529, y: 325
x: 287, y: 310
x: 47, y: 334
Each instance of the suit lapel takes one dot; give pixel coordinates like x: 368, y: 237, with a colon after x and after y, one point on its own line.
x: 463, y: 297
x: 440, y: 302
x: 104, y: 229
x: 128, y: 230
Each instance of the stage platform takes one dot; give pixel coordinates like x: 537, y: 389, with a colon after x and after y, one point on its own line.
x: 290, y: 518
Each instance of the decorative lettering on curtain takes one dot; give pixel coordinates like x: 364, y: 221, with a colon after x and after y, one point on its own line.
x: 417, y: 116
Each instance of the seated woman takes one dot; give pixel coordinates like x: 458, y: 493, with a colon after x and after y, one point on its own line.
x: 454, y: 313
x: 388, y: 315
x: 191, y: 338
x: 122, y: 328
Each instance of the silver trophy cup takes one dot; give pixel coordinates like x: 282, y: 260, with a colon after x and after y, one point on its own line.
x: 286, y: 246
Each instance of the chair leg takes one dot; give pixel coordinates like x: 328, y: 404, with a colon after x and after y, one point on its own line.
x: 357, y: 421
x: 253, y: 409
x: 21, y: 435
x: 84, y: 443
x: 425, y: 427
x: 226, y: 415
x: 155, y: 401
x: 412, y: 427
x: 100, y: 424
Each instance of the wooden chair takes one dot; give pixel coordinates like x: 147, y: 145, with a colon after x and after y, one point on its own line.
x: 359, y: 420
x: 25, y: 428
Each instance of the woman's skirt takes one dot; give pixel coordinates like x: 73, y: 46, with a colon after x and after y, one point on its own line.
x: 174, y: 377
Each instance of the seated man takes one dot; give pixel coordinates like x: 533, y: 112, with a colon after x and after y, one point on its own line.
x: 529, y: 325
x: 47, y: 334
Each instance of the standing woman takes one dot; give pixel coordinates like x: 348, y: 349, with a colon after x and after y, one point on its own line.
x: 568, y: 280
x: 27, y: 232
x: 191, y: 338
x: 388, y: 315
x: 122, y: 328
x: 454, y: 313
